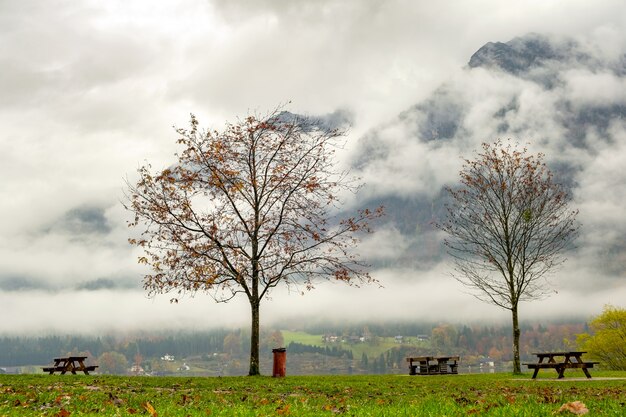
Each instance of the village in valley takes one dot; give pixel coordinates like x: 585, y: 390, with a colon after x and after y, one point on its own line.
x: 366, y: 349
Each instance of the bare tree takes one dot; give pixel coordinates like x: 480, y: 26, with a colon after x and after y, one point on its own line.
x: 508, y: 225
x: 247, y: 209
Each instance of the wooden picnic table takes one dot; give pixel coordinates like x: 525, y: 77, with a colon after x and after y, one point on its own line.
x: 560, y: 361
x: 70, y: 364
x: 433, y: 365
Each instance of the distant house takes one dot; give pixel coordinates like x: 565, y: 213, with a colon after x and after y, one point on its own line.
x: 184, y: 367
x: 330, y: 338
x: 487, y: 363
x: 399, y: 339
x: 137, y: 369
x: 168, y: 358
x: 423, y: 337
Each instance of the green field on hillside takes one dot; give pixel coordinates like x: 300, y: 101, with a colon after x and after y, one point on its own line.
x: 387, y: 395
x: 371, y: 349
x: 302, y: 337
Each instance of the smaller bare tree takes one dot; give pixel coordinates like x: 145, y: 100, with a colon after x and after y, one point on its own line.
x: 508, y: 225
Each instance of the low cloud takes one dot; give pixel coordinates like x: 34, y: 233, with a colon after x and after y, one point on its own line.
x: 407, y: 295
x: 108, y: 284
x: 108, y: 310
x: 84, y: 244
x: 82, y: 221
x: 14, y: 283
x: 91, y: 91
x: 587, y: 88
x: 434, y: 296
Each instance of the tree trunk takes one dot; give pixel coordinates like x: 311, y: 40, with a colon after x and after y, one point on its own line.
x: 516, y: 333
x: 254, y: 339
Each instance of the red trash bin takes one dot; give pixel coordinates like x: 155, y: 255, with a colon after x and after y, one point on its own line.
x: 280, y: 362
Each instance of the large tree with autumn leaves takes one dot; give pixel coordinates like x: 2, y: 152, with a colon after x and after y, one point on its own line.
x: 246, y: 209
x: 508, y: 225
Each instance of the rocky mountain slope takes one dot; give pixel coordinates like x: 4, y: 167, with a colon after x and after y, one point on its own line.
x: 559, y: 96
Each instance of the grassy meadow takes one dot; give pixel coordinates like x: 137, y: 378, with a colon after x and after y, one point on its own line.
x: 375, y: 395
x: 382, y: 345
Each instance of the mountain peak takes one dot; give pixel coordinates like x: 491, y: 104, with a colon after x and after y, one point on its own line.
x: 516, y: 56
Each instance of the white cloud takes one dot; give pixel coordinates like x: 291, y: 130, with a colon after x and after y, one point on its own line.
x: 104, y: 311
x: 406, y: 295
x: 434, y: 296
x: 91, y: 89
x: 386, y: 243
x: 597, y: 89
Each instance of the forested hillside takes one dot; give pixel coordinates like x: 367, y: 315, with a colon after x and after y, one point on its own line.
x: 323, y: 348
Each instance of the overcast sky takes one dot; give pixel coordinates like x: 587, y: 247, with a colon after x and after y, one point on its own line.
x: 90, y: 90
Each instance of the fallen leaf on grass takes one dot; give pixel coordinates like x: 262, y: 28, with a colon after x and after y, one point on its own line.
x: 62, y: 413
x: 575, y: 407
x: 62, y: 398
x: 284, y: 410
x: 462, y: 400
x: 333, y: 409
x: 150, y: 409
x: 115, y: 400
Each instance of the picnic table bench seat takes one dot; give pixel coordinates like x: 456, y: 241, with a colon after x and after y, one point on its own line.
x: 533, y: 365
x: 572, y: 365
x: 89, y: 368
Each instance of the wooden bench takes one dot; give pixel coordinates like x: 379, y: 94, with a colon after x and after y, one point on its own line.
x: 433, y: 365
x: 53, y: 369
x: 560, y: 366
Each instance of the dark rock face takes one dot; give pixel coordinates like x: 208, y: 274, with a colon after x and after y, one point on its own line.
x: 338, y: 119
x: 536, y: 58
x: 443, y: 114
x: 516, y: 56
x: 578, y: 121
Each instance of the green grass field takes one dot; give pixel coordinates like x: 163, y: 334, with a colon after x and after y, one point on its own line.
x: 387, y: 395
